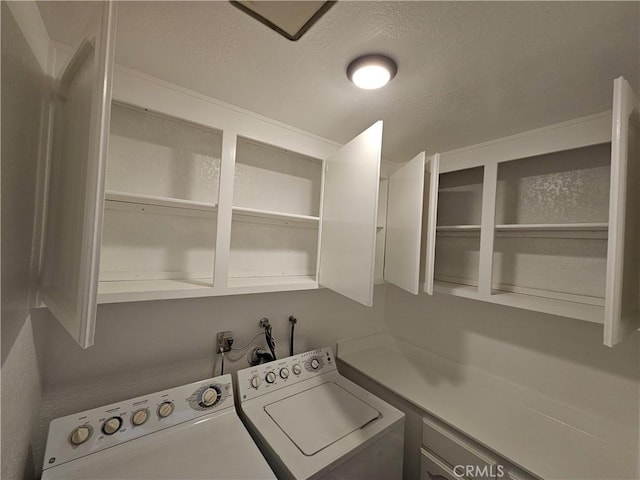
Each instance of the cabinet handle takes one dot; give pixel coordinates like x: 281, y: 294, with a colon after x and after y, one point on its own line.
x: 432, y: 476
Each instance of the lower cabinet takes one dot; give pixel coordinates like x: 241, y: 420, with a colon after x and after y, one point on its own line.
x: 447, y: 454
x: 432, y: 468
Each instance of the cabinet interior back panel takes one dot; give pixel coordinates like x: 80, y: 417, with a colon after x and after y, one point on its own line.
x: 263, y: 249
x: 152, y: 243
x: 271, y: 178
x: 457, y: 258
x: 562, y: 187
x: 152, y: 154
x: 460, y: 197
x: 567, y: 265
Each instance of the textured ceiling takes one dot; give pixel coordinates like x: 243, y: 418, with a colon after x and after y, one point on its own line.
x: 467, y: 71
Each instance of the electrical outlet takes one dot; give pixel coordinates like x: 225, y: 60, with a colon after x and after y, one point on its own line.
x: 225, y: 340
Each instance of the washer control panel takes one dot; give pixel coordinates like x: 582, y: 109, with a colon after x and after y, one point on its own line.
x: 261, y: 379
x: 75, y: 436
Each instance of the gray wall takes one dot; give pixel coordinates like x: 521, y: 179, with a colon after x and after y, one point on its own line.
x: 23, y: 88
x: 148, y: 346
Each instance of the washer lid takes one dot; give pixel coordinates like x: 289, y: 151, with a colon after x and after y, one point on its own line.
x: 320, y: 416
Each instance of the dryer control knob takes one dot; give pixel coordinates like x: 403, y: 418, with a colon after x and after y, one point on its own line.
x: 297, y: 369
x: 255, y: 381
x: 284, y: 373
x: 111, y: 425
x: 270, y: 377
x: 165, y: 409
x: 209, y: 397
x: 80, y: 435
x: 140, y: 417
x: 315, y: 363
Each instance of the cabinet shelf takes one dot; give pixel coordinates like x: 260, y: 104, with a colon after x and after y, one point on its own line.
x: 136, y: 199
x: 457, y: 289
x: 140, y: 290
x: 274, y: 283
x: 561, y: 230
x: 288, y: 218
x: 458, y: 228
x: 590, y: 309
x: 573, y: 306
x: 561, y: 227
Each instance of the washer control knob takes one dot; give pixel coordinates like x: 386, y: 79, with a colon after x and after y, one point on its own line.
x: 255, y: 381
x: 209, y: 397
x: 140, y: 417
x: 165, y: 409
x: 270, y: 377
x: 284, y: 373
x: 297, y: 369
x: 315, y: 363
x: 79, y: 435
x: 111, y: 425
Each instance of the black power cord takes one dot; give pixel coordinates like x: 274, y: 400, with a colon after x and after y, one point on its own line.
x: 271, y: 343
x: 293, y: 320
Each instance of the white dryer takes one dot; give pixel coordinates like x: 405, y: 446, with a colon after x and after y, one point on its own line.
x: 187, y: 432
x: 312, y: 423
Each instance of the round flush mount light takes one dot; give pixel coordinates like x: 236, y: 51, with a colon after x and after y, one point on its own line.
x: 371, y: 71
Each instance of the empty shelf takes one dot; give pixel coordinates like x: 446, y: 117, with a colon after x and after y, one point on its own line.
x: 133, y: 290
x: 268, y: 284
x: 140, y: 199
x: 554, y: 227
x: 458, y: 228
x: 292, y: 217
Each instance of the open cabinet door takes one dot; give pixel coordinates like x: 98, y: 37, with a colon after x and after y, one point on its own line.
x: 622, y: 294
x: 69, y: 280
x: 349, y: 217
x: 404, y: 225
x: 432, y: 183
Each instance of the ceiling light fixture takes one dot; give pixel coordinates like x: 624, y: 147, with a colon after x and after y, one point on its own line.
x: 371, y: 71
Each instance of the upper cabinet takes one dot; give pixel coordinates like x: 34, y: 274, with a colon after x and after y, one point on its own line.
x: 69, y: 280
x: 547, y: 220
x: 162, y: 193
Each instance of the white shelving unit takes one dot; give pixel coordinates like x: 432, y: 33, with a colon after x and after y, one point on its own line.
x: 457, y: 252
x: 548, y: 220
x: 196, y: 198
x: 160, y: 212
x: 276, y: 217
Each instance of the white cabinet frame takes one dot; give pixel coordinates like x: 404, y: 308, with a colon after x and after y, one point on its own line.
x: 620, y: 310
x: 359, y: 160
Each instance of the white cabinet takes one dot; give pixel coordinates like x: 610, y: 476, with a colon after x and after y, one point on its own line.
x: 200, y: 198
x: 69, y: 279
x: 547, y: 220
x: 448, y: 454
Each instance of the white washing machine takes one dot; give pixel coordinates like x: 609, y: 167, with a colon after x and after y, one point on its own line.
x: 186, y: 432
x: 311, y: 422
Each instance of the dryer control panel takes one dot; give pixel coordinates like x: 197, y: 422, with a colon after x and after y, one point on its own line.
x: 281, y: 373
x: 77, y: 435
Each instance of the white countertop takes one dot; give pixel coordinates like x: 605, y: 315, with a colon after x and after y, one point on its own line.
x: 549, y: 438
